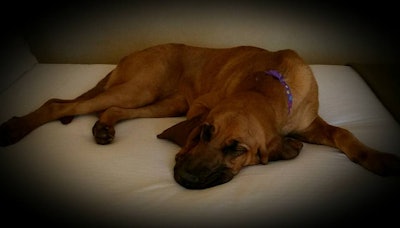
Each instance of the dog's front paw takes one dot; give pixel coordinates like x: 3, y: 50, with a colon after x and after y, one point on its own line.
x: 103, y: 134
x: 12, y: 131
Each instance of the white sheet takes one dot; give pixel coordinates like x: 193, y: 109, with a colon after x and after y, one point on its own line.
x: 131, y: 181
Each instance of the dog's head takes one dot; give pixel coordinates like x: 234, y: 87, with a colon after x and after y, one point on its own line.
x: 218, y: 143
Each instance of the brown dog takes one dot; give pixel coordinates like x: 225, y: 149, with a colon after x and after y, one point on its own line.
x: 244, y: 106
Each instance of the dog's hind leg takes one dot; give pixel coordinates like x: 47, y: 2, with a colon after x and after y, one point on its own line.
x: 104, y: 132
x: 17, y: 127
x: 320, y: 132
x: 99, y: 88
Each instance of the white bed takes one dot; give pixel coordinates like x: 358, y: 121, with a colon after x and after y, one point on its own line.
x: 58, y: 174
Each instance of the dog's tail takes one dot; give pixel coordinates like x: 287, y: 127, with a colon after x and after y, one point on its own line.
x: 99, y: 88
x: 320, y: 132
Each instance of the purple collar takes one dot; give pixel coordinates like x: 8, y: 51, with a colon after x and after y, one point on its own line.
x: 277, y: 75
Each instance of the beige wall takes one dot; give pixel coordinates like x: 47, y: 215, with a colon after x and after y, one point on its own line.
x: 103, y: 33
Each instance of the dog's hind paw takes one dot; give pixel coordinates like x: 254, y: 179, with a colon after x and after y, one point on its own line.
x: 12, y: 131
x: 103, y: 134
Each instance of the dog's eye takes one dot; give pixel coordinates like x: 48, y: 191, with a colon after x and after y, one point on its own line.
x: 235, y: 148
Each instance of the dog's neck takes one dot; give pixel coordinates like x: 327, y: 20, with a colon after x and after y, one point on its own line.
x: 279, y: 76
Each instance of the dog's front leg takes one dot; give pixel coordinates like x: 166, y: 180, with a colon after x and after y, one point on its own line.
x: 104, y: 131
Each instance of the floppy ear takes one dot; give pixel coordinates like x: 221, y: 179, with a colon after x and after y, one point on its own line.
x: 280, y: 149
x: 179, y: 133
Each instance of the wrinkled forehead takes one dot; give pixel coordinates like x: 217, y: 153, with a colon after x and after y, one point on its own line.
x: 232, y: 123
x: 232, y: 119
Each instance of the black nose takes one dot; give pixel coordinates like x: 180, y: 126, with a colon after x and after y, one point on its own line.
x: 187, y: 177
x: 189, y: 180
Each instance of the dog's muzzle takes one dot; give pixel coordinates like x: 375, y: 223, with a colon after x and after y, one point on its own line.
x: 200, y: 177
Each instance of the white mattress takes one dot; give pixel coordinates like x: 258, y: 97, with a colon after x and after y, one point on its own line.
x: 59, y: 171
